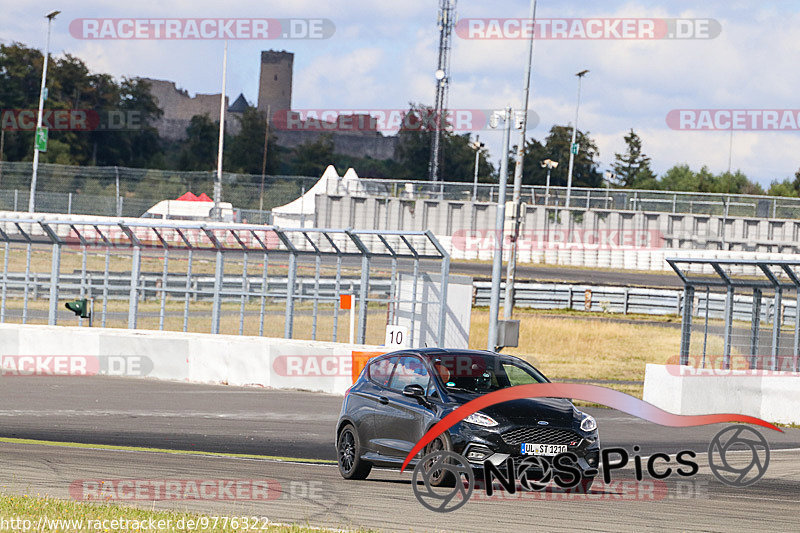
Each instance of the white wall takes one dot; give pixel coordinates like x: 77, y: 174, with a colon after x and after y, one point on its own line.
x: 196, y: 357
x: 771, y: 396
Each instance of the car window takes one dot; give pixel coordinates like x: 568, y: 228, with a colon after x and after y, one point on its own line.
x: 409, y: 371
x: 380, y: 370
x: 518, y: 376
x: 481, y: 373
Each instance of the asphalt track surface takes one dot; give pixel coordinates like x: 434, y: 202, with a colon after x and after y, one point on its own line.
x: 476, y: 269
x: 298, y: 424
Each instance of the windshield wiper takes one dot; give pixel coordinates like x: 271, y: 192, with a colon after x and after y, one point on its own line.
x: 463, y: 389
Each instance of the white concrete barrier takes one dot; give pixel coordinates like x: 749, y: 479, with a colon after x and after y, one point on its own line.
x: 772, y: 396
x: 196, y: 357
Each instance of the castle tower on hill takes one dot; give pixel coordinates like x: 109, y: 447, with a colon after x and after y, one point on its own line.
x: 275, y: 81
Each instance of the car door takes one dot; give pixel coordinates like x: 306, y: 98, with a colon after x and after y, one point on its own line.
x: 374, y: 400
x: 403, y: 420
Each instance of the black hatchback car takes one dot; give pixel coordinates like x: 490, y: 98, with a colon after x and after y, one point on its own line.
x: 400, y: 395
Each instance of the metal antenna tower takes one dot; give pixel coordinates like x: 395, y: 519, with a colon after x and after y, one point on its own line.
x: 447, y: 15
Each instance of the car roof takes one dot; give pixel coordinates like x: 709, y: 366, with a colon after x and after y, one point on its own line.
x: 431, y: 353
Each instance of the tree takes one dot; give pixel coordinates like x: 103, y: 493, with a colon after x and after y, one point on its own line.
x: 414, y: 150
x: 141, y: 142
x: 786, y: 187
x: 414, y: 143
x: 200, y: 148
x: 312, y: 158
x: 245, y: 152
x: 533, y: 155
x: 632, y: 168
x: 119, y: 116
x: 459, y: 160
x: 557, y: 148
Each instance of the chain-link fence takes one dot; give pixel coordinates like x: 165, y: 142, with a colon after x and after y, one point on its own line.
x: 122, y: 191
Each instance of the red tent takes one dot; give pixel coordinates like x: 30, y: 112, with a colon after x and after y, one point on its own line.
x: 187, y: 197
x: 191, y: 197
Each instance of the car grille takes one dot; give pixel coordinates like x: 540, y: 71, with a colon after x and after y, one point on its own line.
x: 538, y: 435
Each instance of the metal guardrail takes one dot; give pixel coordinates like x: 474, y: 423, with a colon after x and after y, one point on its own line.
x: 601, y: 299
x: 220, y: 240
x: 117, y: 286
x: 583, y: 198
x: 632, y: 300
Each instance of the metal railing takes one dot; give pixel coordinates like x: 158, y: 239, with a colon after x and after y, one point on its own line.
x: 778, y: 277
x: 583, y: 198
x: 633, y: 300
x: 100, y: 190
x: 324, y: 254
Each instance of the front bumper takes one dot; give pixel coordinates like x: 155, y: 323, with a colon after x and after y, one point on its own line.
x: 497, y: 444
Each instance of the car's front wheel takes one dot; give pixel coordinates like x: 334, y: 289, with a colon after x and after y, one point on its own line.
x: 348, y: 447
x: 441, y: 477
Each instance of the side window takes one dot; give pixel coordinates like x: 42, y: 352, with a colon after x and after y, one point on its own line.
x: 380, y: 370
x: 517, y: 376
x: 409, y: 371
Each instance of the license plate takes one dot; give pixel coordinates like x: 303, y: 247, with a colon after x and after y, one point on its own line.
x: 528, y: 448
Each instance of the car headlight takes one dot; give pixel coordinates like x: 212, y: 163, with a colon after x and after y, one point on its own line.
x: 480, y: 419
x: 588, y: 423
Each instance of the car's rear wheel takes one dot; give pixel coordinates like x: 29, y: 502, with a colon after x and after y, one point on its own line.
x: 441, y: 477
x: 348, y: 447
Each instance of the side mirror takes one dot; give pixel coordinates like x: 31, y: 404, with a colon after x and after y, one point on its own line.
x: 414, y: 391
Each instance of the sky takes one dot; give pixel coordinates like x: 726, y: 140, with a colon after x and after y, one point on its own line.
x: 382, y: 55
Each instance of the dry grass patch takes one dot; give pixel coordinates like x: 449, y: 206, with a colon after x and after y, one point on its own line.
x: 568, y: 348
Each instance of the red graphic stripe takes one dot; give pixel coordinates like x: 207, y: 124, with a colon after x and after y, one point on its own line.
x: 590, y: 393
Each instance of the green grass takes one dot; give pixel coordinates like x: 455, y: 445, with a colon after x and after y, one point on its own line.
x: 200, y: 318
x: 42, y: 510
x: 9, y: 440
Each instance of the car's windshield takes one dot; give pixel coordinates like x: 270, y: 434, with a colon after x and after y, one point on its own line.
x: 480, y: 373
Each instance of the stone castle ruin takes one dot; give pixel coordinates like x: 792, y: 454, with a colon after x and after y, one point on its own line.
x: 274, y: 93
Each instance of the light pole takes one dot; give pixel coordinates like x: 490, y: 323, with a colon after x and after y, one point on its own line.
x: 610, y: 176
x: 32, y: 199
x: 573, y: 148
x: 549, y: 165
x: 218, y: 180
x: 477, y: 145
x: 497, y: 266
x: 264, y: 166
x: 511, y: 272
